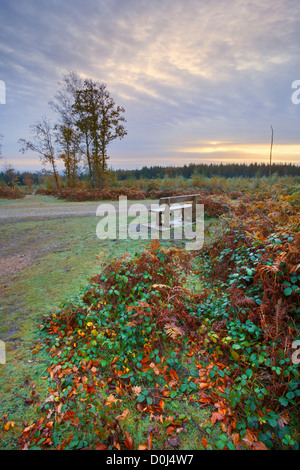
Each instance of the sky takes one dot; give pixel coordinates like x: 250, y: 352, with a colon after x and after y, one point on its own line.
x: 202, y: 81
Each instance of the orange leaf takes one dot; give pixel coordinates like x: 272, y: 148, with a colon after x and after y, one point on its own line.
x: 250, y: 436
x: 173, y: 374
x: 216, y: 417
x: 142, y: 447
x: 236, y: 438
x: 101, y: 446
x: 203, y: 385
x: 149, y: 441
x: 170, y: 418
x: 204, y: 442
x: 259, y: 446
x: 9, y: 424
x: 170, y: 430
x: 140, y: 407
x: 123, y: 415
x: 128, y: 441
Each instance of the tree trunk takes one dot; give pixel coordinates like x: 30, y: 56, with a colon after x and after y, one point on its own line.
x: 89, y: 160
x: 55, y: 174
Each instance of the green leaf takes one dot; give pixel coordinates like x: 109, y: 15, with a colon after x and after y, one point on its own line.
x: 235, y: 355
x: 272, y: 422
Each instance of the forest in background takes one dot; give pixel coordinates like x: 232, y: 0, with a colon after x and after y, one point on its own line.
x: 153, y: 181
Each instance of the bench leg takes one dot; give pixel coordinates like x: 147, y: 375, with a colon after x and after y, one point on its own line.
x: 158, y: 219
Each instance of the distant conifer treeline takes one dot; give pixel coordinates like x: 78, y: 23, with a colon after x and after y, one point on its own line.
x: 227, y: 170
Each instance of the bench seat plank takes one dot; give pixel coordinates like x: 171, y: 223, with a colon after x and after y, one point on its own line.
x: 172, y: 208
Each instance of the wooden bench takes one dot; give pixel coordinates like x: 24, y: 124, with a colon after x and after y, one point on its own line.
x: 172, y: 203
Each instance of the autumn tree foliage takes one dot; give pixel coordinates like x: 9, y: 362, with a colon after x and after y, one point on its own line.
x: 96, y: 112
x: 93, y: 120
x: 88, y: 121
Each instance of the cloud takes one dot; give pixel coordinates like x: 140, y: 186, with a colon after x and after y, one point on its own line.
x: 184, y: 71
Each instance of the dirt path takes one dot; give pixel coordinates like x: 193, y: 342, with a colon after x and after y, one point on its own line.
x: 43, y: 207
x: 20, y: 213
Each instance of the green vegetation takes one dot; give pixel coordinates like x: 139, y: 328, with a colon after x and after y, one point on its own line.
x: 163, y: 348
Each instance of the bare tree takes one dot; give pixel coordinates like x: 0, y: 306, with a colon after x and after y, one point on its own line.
x: 65, y: 98
x: 42, y: 142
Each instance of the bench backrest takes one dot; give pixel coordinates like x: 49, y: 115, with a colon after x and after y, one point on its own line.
x: 177, y: 199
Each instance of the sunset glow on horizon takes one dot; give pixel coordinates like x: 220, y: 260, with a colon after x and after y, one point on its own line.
x: 281, y: 153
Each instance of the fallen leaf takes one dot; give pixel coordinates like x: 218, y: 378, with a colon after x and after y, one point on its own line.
x: 174, y: 442
x: 259, y: 446
x: 123, y: 415
x: 173, y: 374
x: 203, y: 385
x: 128, y: 441
x: 136, y: 390
x: 204, y: 442
x: 101, y: 446
x: 170, y: 430
x: 149, y: 441
x: 216, y: 417
x: 8, y: 425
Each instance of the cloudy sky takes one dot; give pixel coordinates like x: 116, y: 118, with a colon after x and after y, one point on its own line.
x: 200, y: 80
